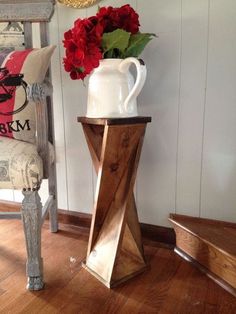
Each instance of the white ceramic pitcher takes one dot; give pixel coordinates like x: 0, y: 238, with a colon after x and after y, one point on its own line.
x: 112, y: 91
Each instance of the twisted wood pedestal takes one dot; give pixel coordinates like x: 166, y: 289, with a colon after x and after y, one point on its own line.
x: 115, y: 251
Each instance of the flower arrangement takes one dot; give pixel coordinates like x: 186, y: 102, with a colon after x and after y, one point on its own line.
x: 111, y: 33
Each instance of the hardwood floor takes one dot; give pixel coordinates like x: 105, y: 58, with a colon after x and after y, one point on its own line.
x: 171, y: 285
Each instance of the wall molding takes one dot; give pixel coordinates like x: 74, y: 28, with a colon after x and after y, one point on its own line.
x: 9, y: 206
x: 149, y: 232
x: 155, y: 234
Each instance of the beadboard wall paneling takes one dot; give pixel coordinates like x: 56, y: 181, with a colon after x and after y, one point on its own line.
x: 59, y: 117
x: 188, y: 162
x: 78, y: 162
x: 219, y: 150
x: 159, y: 98
x: 92, y: 11
x: 194, y: 42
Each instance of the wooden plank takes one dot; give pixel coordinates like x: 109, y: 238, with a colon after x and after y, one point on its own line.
x: 218, y: 197
x: 206, y: 271
x: 10, y: 215
x: 9, y: 206
x: 94, y: 138
x: 214, y: 247
x: 171, y: 286
x: 118, y: 143
x: 44, y: 34
x: 28, y: 35
x: 76, y: 188
x: 213, y: 222
x: 194, y: 24
x: 26, y: 10
x: 58, y: 127
x: 153, y: 233
x: 217, y: 235
x: 46, y: 207
x: 115, y: 251
x: 114, y: 121
x: 156, y: 182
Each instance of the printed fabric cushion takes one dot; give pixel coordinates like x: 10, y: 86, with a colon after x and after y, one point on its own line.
x: 33, y: 64
x: 20, y: 165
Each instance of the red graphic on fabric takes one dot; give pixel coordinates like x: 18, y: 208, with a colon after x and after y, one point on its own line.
x: 14, y: 65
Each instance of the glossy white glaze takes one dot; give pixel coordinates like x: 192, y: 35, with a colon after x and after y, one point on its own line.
x: 112, y: 91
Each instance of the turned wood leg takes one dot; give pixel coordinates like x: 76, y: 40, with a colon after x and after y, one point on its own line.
x: 31, y: 217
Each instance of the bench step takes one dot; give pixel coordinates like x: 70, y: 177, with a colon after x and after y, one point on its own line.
x: 210, y: 245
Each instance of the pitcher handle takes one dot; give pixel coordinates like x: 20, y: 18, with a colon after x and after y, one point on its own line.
x: 140, y: 79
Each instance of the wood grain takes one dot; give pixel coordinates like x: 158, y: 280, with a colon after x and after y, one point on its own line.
x: 156, y: 234
x: 9, y: 206
x: 115, y: 251
x: 114, y: 121
x: 26, y: 10
x: 170, y: 286
x: 211, y: 245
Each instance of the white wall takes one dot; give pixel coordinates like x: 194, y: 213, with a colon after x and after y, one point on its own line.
x: 188, y: 163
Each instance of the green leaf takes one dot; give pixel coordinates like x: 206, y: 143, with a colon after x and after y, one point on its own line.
x: 137, y: 43
x: 118, y: 39
x: 109, y: 54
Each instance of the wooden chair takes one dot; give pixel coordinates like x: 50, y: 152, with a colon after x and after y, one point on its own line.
x: 18, y: 17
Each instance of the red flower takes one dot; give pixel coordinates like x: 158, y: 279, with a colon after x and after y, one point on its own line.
x: 82, y: 45
x: 124, y: 17
x: 128, y: 19
x: 83, y: 42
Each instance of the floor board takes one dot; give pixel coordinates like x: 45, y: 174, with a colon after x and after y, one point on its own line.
x: 171, y: 285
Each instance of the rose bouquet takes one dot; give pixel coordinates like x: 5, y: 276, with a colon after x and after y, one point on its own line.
x: 111, y: 33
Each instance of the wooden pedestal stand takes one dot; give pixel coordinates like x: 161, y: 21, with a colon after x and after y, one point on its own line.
x: 115, y: 251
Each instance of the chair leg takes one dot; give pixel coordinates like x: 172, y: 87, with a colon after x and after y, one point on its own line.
x: 31, y: 216
x: 53, y: 217
x: 53, y: 191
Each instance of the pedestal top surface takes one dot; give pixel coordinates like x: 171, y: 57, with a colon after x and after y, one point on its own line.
x: 114, y: 121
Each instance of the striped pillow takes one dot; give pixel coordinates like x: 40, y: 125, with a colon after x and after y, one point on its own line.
x: 16, y: 122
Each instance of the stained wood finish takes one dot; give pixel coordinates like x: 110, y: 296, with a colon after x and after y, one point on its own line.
x: 114, y: 121
x: 171, y: 285
x: 206, y: 271
x: 9, y: 206
x: 150, y: 233
x: 212, y: 245
x: 115, y: 251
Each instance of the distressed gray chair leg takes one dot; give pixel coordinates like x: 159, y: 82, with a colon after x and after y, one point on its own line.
x: 31, y: 216
x: 53, y: 217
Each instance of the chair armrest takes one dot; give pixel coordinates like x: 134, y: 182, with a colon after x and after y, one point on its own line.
x: 38, y: 93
